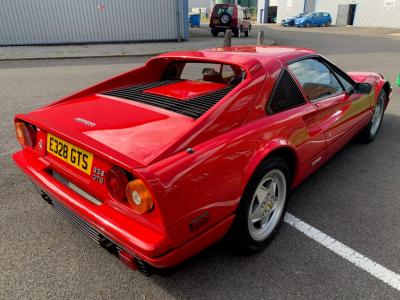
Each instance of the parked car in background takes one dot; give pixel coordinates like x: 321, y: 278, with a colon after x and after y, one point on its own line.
x: 314, y: 19
x: 290, y: 21
x: 230, y: 16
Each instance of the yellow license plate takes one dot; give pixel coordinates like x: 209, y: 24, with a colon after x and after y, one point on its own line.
x: 69, y: 153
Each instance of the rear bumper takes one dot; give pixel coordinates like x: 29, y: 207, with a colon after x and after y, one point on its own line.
x: 221, y: 27
x: 139, y: 241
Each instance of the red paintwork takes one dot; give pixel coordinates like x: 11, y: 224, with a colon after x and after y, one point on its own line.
x: 229, y: 142
x: 186, y: 89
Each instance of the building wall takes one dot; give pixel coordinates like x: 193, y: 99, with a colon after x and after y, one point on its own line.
x: 260, y: 6
x: 372, y: 13
x: 369, y: 13
x: 331, y: 6
x: 77, y: 21
x: 199, y: 3
x: 289, y: 8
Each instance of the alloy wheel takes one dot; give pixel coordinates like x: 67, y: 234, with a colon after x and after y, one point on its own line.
x: 267, y: 205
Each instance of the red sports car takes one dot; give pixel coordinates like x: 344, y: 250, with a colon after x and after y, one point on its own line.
x: 160, y: 162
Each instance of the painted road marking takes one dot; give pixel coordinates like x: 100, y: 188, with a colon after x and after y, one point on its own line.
x: 380, y: 272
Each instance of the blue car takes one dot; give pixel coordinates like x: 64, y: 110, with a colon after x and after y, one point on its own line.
x: 290, y: 21
x: 314, y: 19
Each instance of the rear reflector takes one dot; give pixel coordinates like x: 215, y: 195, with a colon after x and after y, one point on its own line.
x: 116, y: 182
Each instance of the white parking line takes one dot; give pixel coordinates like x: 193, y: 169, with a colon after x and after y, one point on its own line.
x: 380, y: 272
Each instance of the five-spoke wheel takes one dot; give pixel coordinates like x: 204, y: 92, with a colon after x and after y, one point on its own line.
x: 371, y: 131
x: 263, y: 205
x: 267, y: 205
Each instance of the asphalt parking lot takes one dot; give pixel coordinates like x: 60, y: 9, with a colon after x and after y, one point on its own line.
x: 355, y: 199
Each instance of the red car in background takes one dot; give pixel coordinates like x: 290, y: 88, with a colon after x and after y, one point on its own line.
x: 230, y: 16
x: 160, y: 162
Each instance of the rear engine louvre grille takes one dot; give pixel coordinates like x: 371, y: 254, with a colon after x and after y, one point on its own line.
x: 193, y: 107
x: 286, y: 94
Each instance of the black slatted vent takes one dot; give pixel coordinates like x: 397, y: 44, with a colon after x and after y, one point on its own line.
x: 286, y: 94
x: 193, y: 107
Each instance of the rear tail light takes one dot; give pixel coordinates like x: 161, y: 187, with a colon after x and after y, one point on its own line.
x: 26, y: 134
x: 139, y: 196
x: 116, y: 182
x: 133, y: 194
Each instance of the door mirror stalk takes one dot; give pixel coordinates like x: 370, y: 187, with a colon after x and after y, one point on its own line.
x: 360, y: 88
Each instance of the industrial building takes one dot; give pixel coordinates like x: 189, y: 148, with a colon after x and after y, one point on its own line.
x: 363, y: 13
x: 92, y: 21
x: 267, y: 11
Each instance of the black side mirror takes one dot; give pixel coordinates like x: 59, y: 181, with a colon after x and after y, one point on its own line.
x: 362, y: 88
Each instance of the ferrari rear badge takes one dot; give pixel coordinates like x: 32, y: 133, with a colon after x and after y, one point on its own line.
x: 85, y: 122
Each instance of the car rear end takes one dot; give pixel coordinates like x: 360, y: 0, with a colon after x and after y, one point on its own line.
x: 104, y: 198
x: 89, y: 157
x: 219, y: 20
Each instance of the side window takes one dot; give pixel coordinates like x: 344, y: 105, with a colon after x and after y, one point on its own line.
x: 346, y: 84
x: 285, y: 95
x: 240, y: 14
x: 316, y: 79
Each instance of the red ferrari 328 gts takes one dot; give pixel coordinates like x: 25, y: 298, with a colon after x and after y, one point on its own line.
x: 160, y: 162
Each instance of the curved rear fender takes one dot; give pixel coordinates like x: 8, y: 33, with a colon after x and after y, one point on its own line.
x: 274, y: 148
x: 385, y: 85
x: 378, y: 83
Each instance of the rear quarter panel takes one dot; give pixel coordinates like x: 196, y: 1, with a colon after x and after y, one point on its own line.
x: 212, y: 179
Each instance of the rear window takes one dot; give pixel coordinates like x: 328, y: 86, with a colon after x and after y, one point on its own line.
x: 219, y: 10
x: 199, y: 71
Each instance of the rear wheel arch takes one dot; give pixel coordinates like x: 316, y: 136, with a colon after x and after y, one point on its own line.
x: 286, y: 153
x: 281, y: 160
x: 387, y: 88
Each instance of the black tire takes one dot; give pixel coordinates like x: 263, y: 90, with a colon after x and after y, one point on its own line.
x: 240, y: 235
x: 225, y: 19
x: 308, y: 24
x: 368, y: 134
x: 236, y: 32
x: 214, y: 32
x: 328, y: 24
